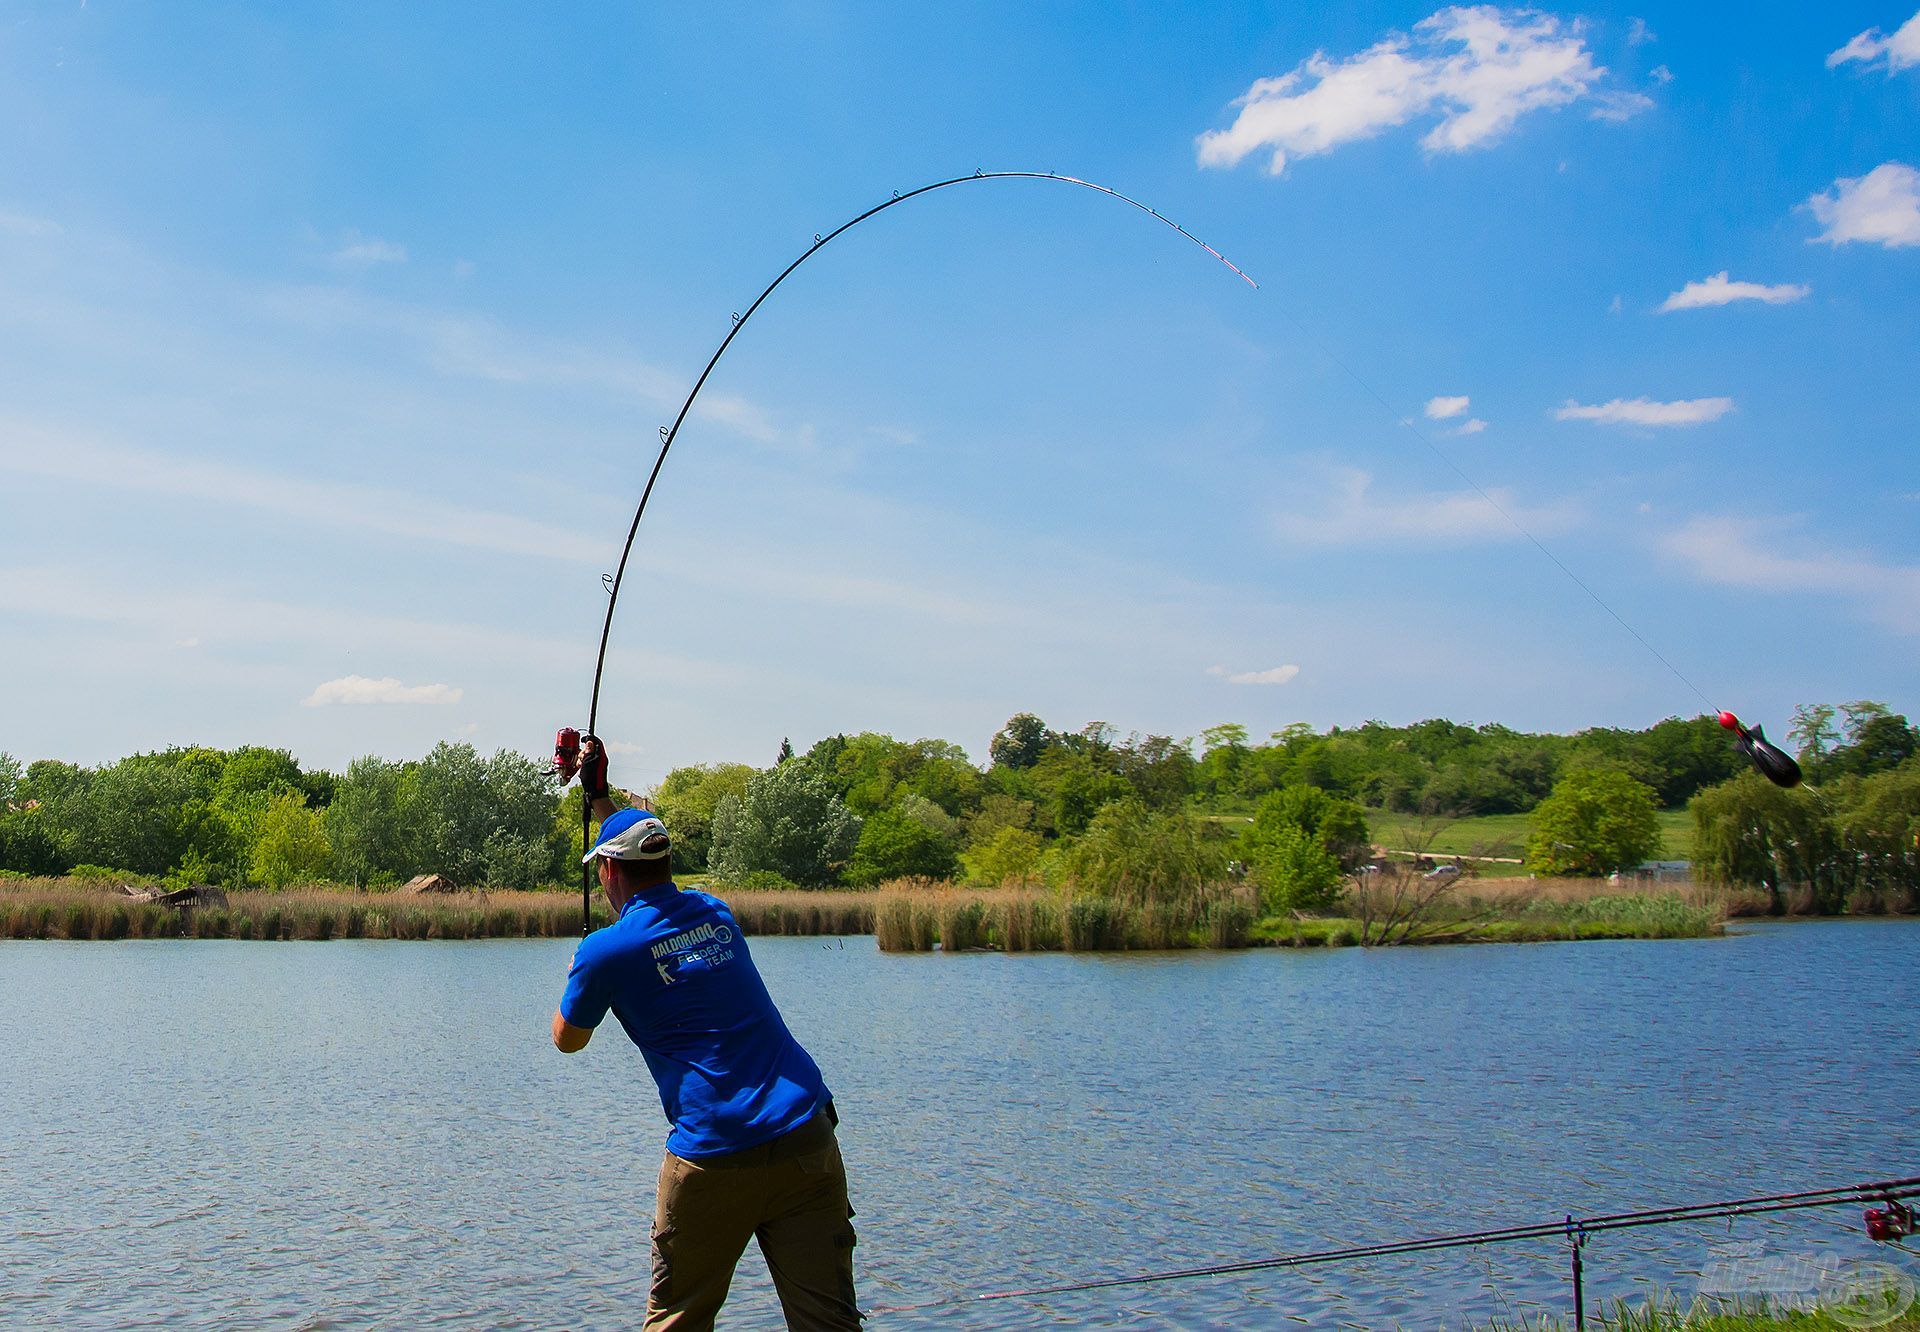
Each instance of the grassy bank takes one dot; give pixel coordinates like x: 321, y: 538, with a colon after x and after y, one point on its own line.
x: 918, y: 916
x: 906, y: 916
x: 78, y: 909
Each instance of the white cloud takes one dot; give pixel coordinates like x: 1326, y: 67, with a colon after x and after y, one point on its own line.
x: 1439, y: 409
x: 1470, y: 427
x: 1882, y: 206
x: 1638, y: 33
x: 1278, y: 675
x: 1620, y: 105
x: 1478, y: 68
x: 357, y: 689
x: 1743, y: 552
x: 1900, y: 51
x: 1645, y: 412
x: 624, y: 747
x: 1353, y: 514
x: 357, y: 252
x: 1717, y: 290
x: 1661, y: 74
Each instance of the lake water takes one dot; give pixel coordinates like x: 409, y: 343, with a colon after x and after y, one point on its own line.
x: 353, y: 1134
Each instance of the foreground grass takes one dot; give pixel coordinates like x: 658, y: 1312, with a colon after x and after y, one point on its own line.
x: 1671, y: 1316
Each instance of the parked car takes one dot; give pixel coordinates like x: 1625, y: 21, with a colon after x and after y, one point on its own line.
x: 1442, y: 872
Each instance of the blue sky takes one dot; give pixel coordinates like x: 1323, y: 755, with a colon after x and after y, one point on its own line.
x: 334, y: 340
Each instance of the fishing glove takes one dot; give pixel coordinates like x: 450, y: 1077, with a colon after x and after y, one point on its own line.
x: 593, y: 768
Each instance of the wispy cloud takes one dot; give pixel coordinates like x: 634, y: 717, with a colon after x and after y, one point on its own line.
x: 474, y: 347
x: 1353, y: 514
x: 63, y: 455
x: 1441, y: 409
x: 1882, y: 206
x: 1278, y: 675
x: 1743, y: 552
x: 357, y: 252
x: 1468, y: 427
x: 1646, y: 412
x: 1718, y: 290
x: 358, y: 689
x: 25, y: 224
x: 1478, y: 68
x: 1898, y: 52
x: 219, y: 620
x: 1620, y: 105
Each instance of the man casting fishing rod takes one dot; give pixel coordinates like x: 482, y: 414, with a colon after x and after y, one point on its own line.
x: 752, y: 1153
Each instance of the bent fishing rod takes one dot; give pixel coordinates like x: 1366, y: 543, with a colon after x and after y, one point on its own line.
x: 1777, y: 766
x: 669, y: 433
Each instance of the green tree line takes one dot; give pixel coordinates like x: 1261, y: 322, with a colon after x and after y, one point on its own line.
x: 252, y: 816
x: 1134, y: 815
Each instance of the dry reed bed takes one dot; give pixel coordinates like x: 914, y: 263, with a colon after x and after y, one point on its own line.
x: 906, y: 916
x: 74, y: 909
x: 913, y: 915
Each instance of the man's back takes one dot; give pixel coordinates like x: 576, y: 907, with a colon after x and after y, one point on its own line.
x: 676, y: 971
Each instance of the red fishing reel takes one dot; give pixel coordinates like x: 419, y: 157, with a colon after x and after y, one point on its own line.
x: 1891, y: 1223
x: 566, y: 755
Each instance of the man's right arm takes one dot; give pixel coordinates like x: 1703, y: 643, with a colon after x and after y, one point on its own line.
x: 567, y: 1038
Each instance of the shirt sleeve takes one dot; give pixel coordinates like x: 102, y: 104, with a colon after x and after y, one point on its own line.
x: 585, y: 1000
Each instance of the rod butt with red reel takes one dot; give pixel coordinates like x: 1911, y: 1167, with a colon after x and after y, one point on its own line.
x: 566, y: 755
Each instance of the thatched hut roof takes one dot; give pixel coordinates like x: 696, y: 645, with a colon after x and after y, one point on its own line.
x: 429, y: 883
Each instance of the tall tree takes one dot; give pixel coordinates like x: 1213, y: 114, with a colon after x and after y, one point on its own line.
x: 789, y: 822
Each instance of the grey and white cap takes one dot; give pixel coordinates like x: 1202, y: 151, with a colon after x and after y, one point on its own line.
x: 631, y: 834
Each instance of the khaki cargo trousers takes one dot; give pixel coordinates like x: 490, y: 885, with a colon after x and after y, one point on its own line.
x: 791, y: 1195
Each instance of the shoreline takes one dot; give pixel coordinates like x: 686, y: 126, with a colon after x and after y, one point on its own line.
x: 911, y: 916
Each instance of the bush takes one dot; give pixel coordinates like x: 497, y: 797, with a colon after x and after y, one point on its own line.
x: 1135, y: 854
x: 1009, y: 856
x: 1295, y: 872
x: 1595, y: 822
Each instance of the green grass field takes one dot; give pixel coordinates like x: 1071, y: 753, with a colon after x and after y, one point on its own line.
x: 1502, y: 834
x: 1487, y: 835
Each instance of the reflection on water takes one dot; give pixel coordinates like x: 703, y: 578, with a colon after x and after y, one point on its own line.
x: 352, y: 1134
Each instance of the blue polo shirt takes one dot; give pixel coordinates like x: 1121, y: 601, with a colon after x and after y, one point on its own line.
x: 674, y: 968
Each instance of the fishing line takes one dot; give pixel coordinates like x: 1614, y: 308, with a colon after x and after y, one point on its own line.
x: 1407, y: 423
